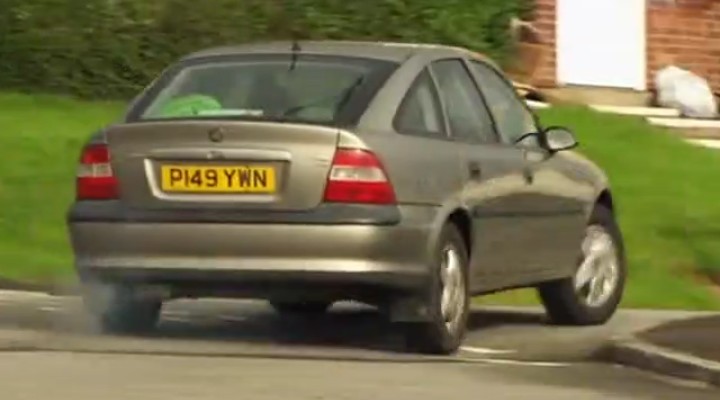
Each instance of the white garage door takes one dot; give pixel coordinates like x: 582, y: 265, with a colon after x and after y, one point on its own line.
x: 601, y: 43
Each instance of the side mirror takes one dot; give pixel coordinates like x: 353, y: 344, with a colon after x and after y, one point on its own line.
x: 559, y: 139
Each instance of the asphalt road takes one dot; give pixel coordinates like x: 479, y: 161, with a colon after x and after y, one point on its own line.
x: 209, y: 349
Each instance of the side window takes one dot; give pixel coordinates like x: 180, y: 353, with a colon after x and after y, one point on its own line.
x: 420, y: 113
x: 512, y: 118
x: 464, y: 105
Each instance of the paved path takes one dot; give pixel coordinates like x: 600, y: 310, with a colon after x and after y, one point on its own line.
x: 221, y: 326
x: 698, y: 336
x: 209, y: 349
x: 66, y: 376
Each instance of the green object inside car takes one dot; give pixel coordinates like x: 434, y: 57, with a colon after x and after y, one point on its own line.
x: 187, y: 106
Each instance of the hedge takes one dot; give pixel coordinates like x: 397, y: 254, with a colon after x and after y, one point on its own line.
x: 112, y: 48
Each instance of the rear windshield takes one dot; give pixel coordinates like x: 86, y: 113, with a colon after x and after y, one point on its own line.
x: 315, y: 89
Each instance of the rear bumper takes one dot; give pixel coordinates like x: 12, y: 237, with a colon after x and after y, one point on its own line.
x: 257, y: 259
x: 326, y: 214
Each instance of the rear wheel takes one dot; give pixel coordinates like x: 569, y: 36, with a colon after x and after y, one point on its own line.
x: 118, y: 309
x: 447, y: 299
x: 592, y: 295
x: 301, y: 308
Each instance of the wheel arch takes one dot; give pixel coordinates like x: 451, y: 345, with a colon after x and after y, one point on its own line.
x: 605, y: 199
x: 459, y: 216
x: 462, y: 220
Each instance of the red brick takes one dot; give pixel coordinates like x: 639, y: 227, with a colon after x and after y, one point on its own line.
x: 545, y: 8
x: 686, y: 34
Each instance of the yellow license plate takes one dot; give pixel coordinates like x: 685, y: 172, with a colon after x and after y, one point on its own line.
x: 218, y: 179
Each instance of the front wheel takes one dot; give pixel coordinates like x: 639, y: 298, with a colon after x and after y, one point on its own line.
x: 447, y: 299
x: 592, y: 295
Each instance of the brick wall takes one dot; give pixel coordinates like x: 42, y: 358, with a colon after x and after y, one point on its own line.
x: 681, y: 32
x: 686, y: 34
x: 545, y: 17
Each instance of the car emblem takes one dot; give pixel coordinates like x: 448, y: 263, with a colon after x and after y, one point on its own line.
x: 216, y: 135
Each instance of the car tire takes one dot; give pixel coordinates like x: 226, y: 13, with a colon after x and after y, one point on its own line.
x: 118, y: 310
x: 594, y: 302
x: 307, y: 308
x: 444, y: 332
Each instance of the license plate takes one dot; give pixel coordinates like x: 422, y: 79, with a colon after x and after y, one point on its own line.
x: 218, y: 179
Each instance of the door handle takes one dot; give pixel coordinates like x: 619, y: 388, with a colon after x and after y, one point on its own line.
x: 530, y: 158
x: 528, y: 175
x: 475, y: 170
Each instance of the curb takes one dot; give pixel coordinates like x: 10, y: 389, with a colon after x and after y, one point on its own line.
x: 55, y: 290
x: 20, y: 339
x: 7, y: 284
x: 637, y: 353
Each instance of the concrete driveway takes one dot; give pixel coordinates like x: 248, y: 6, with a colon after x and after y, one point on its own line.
x: 208, y: 349
x: 245, y: 327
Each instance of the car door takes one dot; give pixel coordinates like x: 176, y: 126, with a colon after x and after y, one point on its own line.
x: 421, y: 160
x: 549, y: 210
x: 493, y: 179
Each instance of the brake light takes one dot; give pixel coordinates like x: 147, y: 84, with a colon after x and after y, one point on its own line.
x: 95, y: 178
x: 357, y: 176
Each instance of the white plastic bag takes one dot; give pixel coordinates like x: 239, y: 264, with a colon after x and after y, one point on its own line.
x: 688, y: 93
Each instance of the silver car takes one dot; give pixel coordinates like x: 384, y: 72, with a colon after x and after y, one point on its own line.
x: 409, y: 177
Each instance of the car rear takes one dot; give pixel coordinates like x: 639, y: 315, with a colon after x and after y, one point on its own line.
x: 243, y: 176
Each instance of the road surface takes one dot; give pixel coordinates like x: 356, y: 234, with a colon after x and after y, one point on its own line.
x: 217, y: 349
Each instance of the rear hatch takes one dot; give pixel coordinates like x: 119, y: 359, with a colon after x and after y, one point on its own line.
x: 240, y: 131
x: 221, y: 164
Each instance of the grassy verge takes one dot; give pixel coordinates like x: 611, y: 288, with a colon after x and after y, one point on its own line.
x: 40, y: 138
x: 666, y: 198
x: 664, y: 191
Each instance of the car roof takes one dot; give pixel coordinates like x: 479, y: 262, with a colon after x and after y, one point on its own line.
x: 387, y: 51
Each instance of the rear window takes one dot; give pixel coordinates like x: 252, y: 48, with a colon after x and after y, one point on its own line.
x: 315, y: 89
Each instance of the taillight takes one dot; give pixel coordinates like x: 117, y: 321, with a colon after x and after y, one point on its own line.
x: 95, y: 178
x: 357, y: 176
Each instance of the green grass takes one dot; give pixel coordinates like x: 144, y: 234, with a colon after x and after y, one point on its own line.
x: 668, y: 203
x: 40, y: 137
x: 667, y: 200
